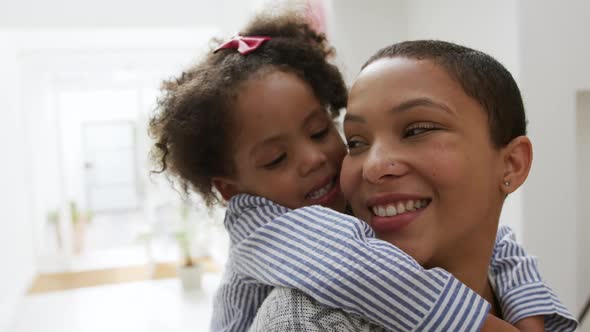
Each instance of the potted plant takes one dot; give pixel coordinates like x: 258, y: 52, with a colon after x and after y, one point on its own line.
x: 53, y: 220
x: 80, y: 220
x: 190, y: 271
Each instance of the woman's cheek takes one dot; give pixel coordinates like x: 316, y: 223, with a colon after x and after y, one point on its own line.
x: 350, y: 178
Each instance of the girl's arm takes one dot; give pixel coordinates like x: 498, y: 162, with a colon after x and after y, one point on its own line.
x: 335, y: 259
x: 526, y: 301
x: 531, y: 324
x: 493, y: 324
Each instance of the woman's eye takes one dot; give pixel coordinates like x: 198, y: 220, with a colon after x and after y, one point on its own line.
x: 354, y: 144
x: 419, y: 128
x: 320, y: 134
x: 276, y: 162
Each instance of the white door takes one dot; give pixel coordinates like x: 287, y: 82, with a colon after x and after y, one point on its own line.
x: 110, y: 166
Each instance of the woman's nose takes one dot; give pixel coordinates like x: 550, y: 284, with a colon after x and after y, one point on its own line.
x: 382, y: 164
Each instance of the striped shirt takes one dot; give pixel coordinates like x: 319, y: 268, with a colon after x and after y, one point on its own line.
x: 520, y: 289
x: 335, y: 259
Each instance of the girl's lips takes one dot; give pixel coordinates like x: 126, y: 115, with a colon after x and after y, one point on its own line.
x: 330, y: 196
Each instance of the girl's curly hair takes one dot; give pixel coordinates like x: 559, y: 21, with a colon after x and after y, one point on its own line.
x: 192, y: 126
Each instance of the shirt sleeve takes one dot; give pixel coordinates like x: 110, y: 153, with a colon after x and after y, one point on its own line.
x: 238, y: 297
x: 520, y: 289
x: 335, y: 259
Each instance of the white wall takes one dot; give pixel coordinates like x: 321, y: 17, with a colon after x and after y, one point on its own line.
x: 489, y: 26
x: 554, y: 66
x: 16, y: 235
x: 357, y: 30
x: 31, y: 14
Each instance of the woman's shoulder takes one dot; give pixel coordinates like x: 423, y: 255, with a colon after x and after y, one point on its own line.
x: 288, y: 309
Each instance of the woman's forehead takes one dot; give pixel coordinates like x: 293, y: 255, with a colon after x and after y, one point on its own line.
x: 391, y: 81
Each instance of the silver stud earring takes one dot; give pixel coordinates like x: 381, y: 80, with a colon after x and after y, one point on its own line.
x: 506, y: 183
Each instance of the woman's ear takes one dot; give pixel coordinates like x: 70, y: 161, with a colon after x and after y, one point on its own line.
x: 226, y: 187
x: 518, y: 157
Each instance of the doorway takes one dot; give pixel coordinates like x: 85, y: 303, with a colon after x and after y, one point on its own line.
x: 583, y: 193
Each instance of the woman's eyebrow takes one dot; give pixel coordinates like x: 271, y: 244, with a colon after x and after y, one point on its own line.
x: 405, y: 106
x: 427, y: 102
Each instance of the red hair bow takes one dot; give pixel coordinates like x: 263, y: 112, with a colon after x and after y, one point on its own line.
x: 244, y: 45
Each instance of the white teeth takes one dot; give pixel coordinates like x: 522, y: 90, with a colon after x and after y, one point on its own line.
x: 391, y: 210
x: 401, y: 207
x: 385, y: 211
x: 321, y: 192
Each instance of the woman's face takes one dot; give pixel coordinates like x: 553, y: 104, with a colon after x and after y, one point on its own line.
x: 287, y: 148
x: 421, y: 168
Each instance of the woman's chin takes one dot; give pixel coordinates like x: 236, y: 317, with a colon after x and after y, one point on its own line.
x: 420, y: 253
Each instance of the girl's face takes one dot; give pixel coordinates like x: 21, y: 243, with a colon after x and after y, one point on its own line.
x: 421, y: 167
x: 286, y: 147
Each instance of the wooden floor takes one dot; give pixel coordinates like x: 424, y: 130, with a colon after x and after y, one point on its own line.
x: 71, y: 280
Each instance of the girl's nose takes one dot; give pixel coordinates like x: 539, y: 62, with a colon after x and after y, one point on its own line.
x: 313, y: 158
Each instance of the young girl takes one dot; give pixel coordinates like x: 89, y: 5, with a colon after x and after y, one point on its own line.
x: 253, y: 121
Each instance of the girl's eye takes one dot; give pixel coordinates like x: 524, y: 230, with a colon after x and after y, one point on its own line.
x: 320, y: 134
x: 276, y: 162
x: 419, y: 128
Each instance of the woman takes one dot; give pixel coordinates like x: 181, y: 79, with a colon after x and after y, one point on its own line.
x: 436, y: 122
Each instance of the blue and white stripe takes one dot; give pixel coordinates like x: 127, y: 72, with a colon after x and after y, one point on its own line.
x: 316, y: 250
x: 335, y: 259
x: 520, y: 288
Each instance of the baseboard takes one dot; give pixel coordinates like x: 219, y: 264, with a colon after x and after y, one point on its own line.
x: 72, y: 280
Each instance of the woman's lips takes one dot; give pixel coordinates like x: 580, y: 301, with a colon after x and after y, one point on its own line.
x: 392, y: 212
x: 393, y: 224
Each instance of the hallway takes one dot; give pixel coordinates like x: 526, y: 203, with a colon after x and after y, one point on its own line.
x: 152, y: 305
